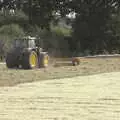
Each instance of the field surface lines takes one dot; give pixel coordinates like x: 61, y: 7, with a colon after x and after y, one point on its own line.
x: 94, y: 97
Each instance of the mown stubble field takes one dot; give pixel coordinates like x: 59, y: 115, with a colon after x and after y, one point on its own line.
x: 59, y: 69
x: 86, y: 97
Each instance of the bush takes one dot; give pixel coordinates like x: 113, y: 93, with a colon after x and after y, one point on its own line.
x: 7, y: 34
x: 12, y: 30
x: 52, y: 40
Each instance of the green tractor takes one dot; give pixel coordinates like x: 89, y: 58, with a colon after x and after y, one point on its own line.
x: 26, y: 54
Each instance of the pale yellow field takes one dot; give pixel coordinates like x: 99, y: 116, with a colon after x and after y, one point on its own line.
x: 56, y: 93
x: 95, y: 97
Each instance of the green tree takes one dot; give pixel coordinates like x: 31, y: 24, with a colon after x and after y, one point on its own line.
x: 94, y: 28
x: 91, y: 27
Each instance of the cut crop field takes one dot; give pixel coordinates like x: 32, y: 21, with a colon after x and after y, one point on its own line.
x: 90, y: 91
x: 59, y: 69
x: 94, y: 97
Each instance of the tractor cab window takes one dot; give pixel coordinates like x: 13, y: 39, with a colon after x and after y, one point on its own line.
x: 20, y: 43
x: 31, y: 43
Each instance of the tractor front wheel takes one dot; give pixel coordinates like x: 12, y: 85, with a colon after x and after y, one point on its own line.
x: 30, y: 60
x: 43, y: 60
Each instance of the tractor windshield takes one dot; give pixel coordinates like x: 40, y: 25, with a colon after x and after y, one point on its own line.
x: 24, y: 43
x: 19, y: 43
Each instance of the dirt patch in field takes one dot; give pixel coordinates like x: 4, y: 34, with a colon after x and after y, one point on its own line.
x: 58, y: 69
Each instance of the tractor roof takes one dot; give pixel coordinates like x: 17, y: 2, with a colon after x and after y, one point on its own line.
x: 29, y: 37
x: 26, y: 38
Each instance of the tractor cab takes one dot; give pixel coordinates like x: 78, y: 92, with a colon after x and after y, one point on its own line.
x: 25, y: 42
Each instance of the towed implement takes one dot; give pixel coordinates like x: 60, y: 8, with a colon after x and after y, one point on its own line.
x: 26, y: 54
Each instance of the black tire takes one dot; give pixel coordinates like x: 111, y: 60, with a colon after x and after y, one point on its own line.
x: 43, y: 60
x: 26, y: 64
x: 11, y: 60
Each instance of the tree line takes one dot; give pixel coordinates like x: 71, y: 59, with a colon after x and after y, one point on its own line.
x: 94, y: 30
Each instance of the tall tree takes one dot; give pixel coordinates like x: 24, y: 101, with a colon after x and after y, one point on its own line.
x: 92, y: 27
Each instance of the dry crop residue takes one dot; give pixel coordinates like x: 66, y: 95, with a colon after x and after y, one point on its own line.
x: 81, y: 98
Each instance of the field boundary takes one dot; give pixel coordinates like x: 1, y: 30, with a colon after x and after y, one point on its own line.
x: 95, y: 56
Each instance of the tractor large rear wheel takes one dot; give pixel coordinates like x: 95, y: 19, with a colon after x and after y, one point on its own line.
x: 30, y: 60
x: 11, y: 60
